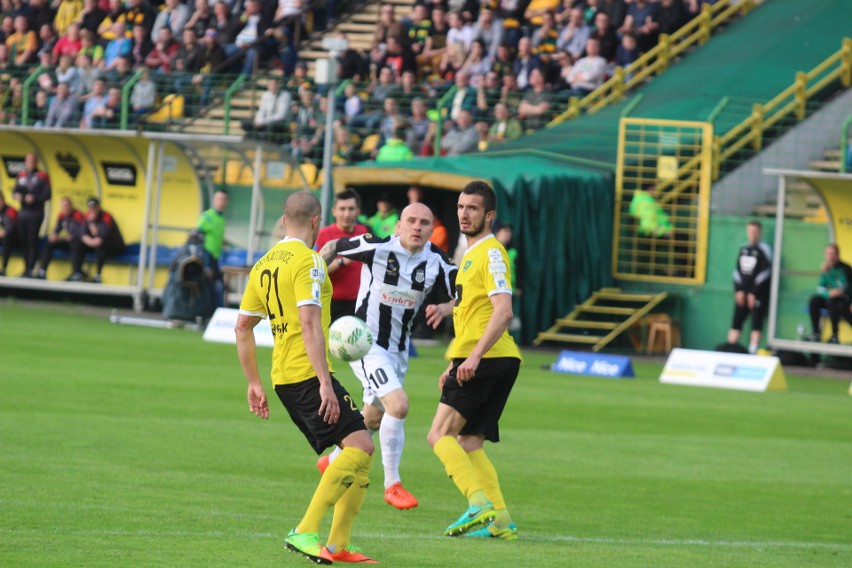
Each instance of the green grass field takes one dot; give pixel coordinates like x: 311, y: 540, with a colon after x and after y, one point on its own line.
x: 134, y: 447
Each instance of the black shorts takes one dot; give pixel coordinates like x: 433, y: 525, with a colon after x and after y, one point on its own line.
x: 340, y: 308
x: 302, y: 401
x: 481, y: 400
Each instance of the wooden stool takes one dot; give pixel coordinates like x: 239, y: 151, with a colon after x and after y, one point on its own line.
x: 662, y: 324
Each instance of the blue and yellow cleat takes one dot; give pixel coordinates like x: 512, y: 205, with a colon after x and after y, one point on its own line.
x: 493, y: 531
x: 474, y: 517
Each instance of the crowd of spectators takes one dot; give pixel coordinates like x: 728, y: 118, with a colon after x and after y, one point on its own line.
x: 87, y: 49
x: 510, y: 65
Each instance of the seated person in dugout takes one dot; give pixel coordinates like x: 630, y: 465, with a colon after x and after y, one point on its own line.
x: 101, y: 237
x: 66, y: 234
x: 833, y: 294
x: 8, y: 231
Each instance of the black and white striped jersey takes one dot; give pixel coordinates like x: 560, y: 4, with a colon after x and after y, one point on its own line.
x: 395, y: 283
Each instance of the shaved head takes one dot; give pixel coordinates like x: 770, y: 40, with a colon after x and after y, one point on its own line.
x: 300, y: 208
x: 415, y: 227
x: 417, y: 209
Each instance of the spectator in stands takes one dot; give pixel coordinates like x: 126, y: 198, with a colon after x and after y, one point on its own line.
x: 460, y: 34
x: 408, y: 89
x: 47, y: 41
x: 8, y: 231
x: 628, y: 50
x: 66, y: 14
x: 89, y: 47
x: 88, y: 74
x: 386, y: 86
x: 488, y: 94
x: 502, y: 64
x: 670, y: 16
x: 108, y: 115
x: 250, y: 34
x: 751, y: 286
x: 393, y: 150
x: 534, y: 109
x: 641, y: 21
x: 121, y: 46
x: 353, y: 104
x: 461, y: 138
x: 188, y: 62
x: 589, y: 72
x: 343, y: 150
x: 143, y: 98
x: 95, y: 100
x: 7, y: 26
x: 505, y: 127
x: 537, y: 8
x: 212, y: 61
x: 398, y: 56
x: 40, y: 13
x: 272, y: 119
x: 142, y: 46
x: 102, y: 236
x: 420, y: 30
x: 488, y: 31
x: 451, y: 61
x: 69, y: 44
x: 544, y: 38
x: 352, y: 64
x: 833, y: 294
x: 67, y: 73
x: 174, y: 15
x: 32, y: 190
x: 418, y: 124
x: 524, y: 63
x: 139, y: 12
x: 63, y: 108
x: 22, y: 44
x: 115, y: 13
x: 615, y: 9
x: 165, y: 50
x: 202, y: 18
x: 38, y: 111
x: 575, y: 34
x: 91, y: 16
x: 226, y: 28
x: 560, y: 83
x: 387, y: 22
x: 67, y: 232
x: 310, y: 125
x: 477, y: 63
x: 604, y: 32
x: 431, y: 56
x: 464, y: 97
x: 390, y: 119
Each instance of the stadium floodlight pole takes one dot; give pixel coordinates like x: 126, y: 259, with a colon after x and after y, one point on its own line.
x: 326, y: 74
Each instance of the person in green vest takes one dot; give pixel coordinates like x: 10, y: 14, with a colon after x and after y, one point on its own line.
x: 383, y: 223
x: 653, y: 220
x: 833, y: 294
x: 394, y: 149
x: 212, y: 224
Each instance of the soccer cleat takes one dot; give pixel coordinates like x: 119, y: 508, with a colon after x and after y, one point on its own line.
x: 474, y: 517
x: 397, y: 496
x: 307, y: 544
x: 493, y: 531
x: 323, y: 463
x: 350, y: 554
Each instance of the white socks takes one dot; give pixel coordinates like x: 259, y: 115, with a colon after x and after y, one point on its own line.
x: 392, y: 439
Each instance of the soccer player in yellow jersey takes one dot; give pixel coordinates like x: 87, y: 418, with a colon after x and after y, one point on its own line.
x: 290, y: 286
x: 485, y: 364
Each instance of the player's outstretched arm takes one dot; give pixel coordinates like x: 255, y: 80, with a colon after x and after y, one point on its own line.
x: 247, y: 351
x: 329, y: 251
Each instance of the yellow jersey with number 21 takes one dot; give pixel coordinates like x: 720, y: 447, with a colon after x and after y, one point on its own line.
x: 484, y: 272
x: 290, y: 275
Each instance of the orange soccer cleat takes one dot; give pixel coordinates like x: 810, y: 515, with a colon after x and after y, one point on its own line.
x: 350, y: 554
x: 397, y: 496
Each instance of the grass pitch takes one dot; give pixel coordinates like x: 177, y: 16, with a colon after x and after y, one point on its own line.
x: 134, y: 447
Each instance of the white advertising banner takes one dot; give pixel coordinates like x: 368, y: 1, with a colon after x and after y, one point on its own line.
x: 221, y: 328
x: 723, y: 370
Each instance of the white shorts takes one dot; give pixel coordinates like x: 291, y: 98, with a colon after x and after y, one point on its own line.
x: 380, y: 372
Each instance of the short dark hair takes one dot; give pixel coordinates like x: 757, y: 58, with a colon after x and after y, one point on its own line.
x: 221, y: 190
x: 756, y: 223
x: 482, y: 189
x: 348, y: 193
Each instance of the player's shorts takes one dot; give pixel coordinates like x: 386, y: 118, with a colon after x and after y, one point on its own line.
x: 380, y: 372
x: 302, y: 401
x: 481, y: 400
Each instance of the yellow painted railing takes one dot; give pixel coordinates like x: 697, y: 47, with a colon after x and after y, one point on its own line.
x: 792, y: 101
x: 657, y: 59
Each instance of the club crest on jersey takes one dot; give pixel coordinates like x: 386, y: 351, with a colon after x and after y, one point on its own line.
x: 393, y: 265
x: 420, y: 276
x: 467, y: 265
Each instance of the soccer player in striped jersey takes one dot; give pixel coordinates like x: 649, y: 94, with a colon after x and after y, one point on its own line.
x: 397, y: 275
x: 485, y: 364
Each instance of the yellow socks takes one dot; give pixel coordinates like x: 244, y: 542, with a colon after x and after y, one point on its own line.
x: 337, y: 479
x: 487, y: 476
x: 460, y: 469
x: 347, y: 509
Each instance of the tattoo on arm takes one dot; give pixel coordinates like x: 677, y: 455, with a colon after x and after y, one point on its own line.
x: 329, y: 251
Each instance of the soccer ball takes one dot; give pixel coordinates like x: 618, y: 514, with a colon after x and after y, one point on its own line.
x: 349, y: 338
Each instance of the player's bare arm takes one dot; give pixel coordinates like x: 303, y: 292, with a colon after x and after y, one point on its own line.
x: 435, y: 313
x: 310, y: 317
x: 497, y: 324
x: 247, y: 351
x: 329, y: 251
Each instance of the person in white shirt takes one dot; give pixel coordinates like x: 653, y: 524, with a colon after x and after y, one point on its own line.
x: 589, y: 72
x: 273, y: 111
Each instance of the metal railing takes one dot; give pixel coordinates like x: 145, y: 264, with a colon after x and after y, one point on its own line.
x: 657, y: 59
